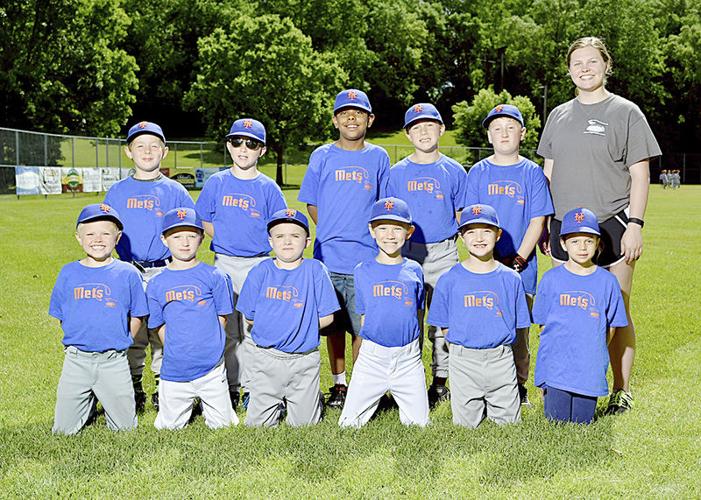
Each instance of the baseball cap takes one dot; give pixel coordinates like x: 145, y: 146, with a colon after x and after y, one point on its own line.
x: 99, y: 211
x: 391, y: 209
x: 422, y: 111
x: 579, y: 220
x: 248, y: 127
x: 288, y: 215
x: 181, y: 217
x: 145, y: 128
x: 507, y: 110
x: 352, y: 98
x: 479, y: 214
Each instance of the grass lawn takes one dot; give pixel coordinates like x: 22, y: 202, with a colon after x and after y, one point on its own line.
x: 652, y: 451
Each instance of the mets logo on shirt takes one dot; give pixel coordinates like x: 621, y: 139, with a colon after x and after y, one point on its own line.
x: 393, y: 289
x: 578, y: 299
x: 353, y: 174
x: 596, y: 127
x: 185, y: 293
x: 485, y: 299
x: 145, y: 202
x: 242, y: 201
x: 507, y: 188
x: 285, y: 293
x: 95, y: 291
x: 426, y: 184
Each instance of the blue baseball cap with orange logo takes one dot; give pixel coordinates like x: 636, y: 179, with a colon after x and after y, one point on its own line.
x: 99, y: 211
x: 247, y: 127
x: 181, y: 217
x: 579, y: 220
x: 352, y: 98
x: 288, y: 215
x: 391, y: 209
x: 507, y: 110
x: 479, y: 214
x: 142, y: 128
x: 422, y: 111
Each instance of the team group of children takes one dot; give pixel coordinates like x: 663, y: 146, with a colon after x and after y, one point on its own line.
x: 670, y: 179
x: 247, y: 330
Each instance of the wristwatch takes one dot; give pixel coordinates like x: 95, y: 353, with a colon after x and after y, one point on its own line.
x: 637, y: 221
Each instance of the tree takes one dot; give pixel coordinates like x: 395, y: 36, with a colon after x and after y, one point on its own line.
x: 266, y: 68
x: 60, y: 66
x: 468, y: 118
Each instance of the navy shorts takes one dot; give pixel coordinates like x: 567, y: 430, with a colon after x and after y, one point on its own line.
x: 566, y: 406
x: 611, y: 233
x: 346, y: 318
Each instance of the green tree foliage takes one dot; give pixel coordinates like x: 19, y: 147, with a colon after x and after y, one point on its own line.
x: 61, y: 68
x: 468, y: 118
x: 266, y: 68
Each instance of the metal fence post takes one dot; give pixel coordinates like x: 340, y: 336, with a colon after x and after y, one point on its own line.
x: 46, y: 150
x: 73, y: 151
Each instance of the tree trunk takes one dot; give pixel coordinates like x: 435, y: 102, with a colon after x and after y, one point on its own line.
x: 279, y: 151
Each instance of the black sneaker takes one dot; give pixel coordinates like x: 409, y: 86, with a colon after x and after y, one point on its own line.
x: 337, y: 396
x: 523, y: 396
x: 154, y: 400
x: 437, y: 394
x: 234, y: 395
x: 139, y: 400
x: 619, y: 402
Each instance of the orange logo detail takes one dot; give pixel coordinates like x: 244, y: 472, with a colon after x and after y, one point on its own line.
x: 389, y: 204
x: 418, y: 108
x: 143, y: 124
x: 499, y: 108
x: 476, y: 210
x: 290, y: 212
x: 248, y: 124
x: 182, y: 214
x: 579, y: 217
x: 105, y: 208
x: 352, y: 94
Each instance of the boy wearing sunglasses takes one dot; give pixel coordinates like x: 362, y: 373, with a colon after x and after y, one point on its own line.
x: 234, y: 206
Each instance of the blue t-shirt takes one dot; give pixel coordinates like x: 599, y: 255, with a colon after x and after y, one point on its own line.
x: 577, y: 312
x: 343, y: 185
x: 434, y: 192
x: 190, y: 302
x: 141, y: 206
x: 389, y: 296
x: 518, y: 193
x: 94, y: 305
x: 239, y: 210
x: 285, y: 305
x: 481, y: 311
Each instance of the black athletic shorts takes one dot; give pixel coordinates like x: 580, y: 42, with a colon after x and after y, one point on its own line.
x: 611, y: 233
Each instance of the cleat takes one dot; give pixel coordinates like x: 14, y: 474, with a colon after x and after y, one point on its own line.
x: 437, y: 394
x: 337, y: 396
x: 139, y: 399
x: 619, y: 402
x: 234, y: 395
x: 154, y: 400
x: 523, y: 396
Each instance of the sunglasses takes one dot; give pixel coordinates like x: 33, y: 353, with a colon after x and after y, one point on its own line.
x: 251, y: 144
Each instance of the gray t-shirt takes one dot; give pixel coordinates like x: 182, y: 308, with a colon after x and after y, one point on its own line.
x: 592, y: 146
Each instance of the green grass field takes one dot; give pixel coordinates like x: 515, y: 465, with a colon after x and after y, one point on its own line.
x: 650, y: 452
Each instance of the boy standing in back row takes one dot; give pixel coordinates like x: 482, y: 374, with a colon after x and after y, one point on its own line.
x: 142, y: 199
x: 344, y: 179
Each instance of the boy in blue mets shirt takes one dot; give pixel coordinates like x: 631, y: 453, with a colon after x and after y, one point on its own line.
x: 286, y: 300
x: 580, y: 305
x: 481, y: 303
x: 234, y: 206
x: 142, y: 199
x: 100, y: 303
x: 390, y: 299
x: 188, y: 304
x: 434, y: 186
x: 517, y: 189
x: 341, y: 184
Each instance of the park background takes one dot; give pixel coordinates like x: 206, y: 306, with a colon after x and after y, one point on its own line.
x: 93, y: 67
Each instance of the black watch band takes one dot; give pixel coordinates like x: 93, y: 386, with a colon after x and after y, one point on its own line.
x: 637, y: 221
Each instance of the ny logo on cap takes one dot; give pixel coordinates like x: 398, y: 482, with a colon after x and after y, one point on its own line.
x: 143, y: 124
x: 290, y: 212
x: 105, y: 208
x: 418, y: 108
x: 389, y: 204
x: 248, y: 124
x: 182, y: 214
x: 579, y: 217
x: 352, y: 94
x: 476, y: 210
x: 499, y: 108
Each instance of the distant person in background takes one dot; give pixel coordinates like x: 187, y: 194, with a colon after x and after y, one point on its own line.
x: 597, y: 149
x: 675, y: 180
x: 664, y: 179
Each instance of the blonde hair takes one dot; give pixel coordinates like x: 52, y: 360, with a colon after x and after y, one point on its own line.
x: 598, y: 44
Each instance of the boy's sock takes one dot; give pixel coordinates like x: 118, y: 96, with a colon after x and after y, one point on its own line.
x: 339, y: 378
x: 439, y: 380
